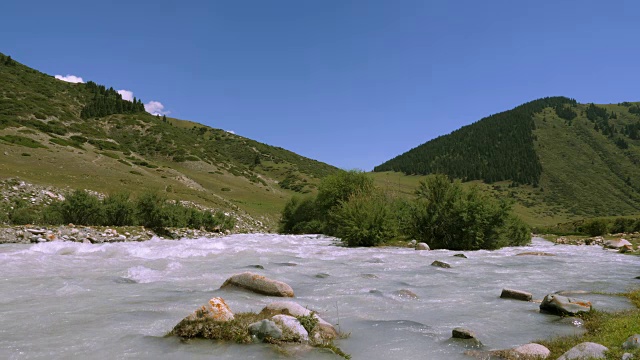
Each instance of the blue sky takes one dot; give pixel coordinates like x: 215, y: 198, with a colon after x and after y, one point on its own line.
x: 350, y: 83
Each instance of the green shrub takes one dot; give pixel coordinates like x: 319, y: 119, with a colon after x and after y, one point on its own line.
x: 118, y: 210
x: 364, y: 219
x: 81, y: 208
x: 150, y: 210
x: 446, y: 216
x: 300, y: 217
x: 595, y: 227
x: 23, y: 216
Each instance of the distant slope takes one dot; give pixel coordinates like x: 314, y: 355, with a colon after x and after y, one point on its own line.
x: 86, y: 136
x: 579, y: 160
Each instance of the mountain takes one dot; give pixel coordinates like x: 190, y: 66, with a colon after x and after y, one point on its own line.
x: 85, y: 135
x: 557, y: 158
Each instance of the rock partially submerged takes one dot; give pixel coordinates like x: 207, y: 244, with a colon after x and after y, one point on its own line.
x: 216, y: 309
x: 259, y: 284
x: 516, y: 295
x: 265, y: 329
x: 322, y: 329
x: 462, y: 333
x: 422, y: 246
x: 616, y: 243
x: 441, y: 264
x: 585, y: 350
x: 562, y: 305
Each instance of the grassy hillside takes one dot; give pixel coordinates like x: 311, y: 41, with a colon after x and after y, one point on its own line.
x: 47, y: 138
x: 587, y: 159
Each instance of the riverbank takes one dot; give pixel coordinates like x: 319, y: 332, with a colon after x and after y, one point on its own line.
x: 27, y: 234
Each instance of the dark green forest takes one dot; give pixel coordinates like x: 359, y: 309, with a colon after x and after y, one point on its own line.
x: 107, y: 102
x: 466, y: 154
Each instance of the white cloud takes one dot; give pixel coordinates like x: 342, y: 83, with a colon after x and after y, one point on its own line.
x: 155, y: 108
x: 70, y: 78
x: 231, y: 132
x: 126, y: 94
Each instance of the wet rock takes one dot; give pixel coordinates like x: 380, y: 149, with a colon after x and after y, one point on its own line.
x: 616, y: 243
x: 412, y: 243
x: 633, y: 342
x: 422, y: 246
x: 323, y: 329
x: 516, y: 295
x: 562, y: 305
x: 585, y: 350
x: 638, y: 277
x: 440, y: 264
x: 291, y: 324
x: 532, y: 351
x: 287, y: 264
x: 265, y: 329
x: 626, y: 249
x: 369, y: 276
x: 216, y: 309
x: 259, y: 284
x: 256, y: 267
x: 376, y: 292
x: 462, y: 333
x: 461, y: 256
x: 322, y: 275
x: 535, y: 253
x: 407, y: 294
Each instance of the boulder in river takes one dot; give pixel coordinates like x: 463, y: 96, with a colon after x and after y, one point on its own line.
x: 441, y: 264
x: 406, y: 294
x: 265, y: 329
x: 462, y: 333
x: 323, y: 329
x: 460, y: 256
x: 292, y: 325
x: 422, y: 246
x: 259, y: 284
x: 216, y: 309
x: 516, y: 295
x: 562, y: 305
x: 585, y: 350
x: 535, y: 253
x: 616, y: 243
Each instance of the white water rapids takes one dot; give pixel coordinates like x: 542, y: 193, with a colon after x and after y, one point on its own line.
x: 63, y: 300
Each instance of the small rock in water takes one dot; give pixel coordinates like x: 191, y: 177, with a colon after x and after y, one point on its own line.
x: 369, y: 276
x: 422, y: 246
x: 376, y: 292
x: 407, y: 294
x: 216, y: 309
x: 585, y: 350
x: 287, y: 264
x: 460, y: 256
x: 516, y: 295
x: 562, y: 305
x: 256, y: 266
x: 265, y: 328
x: 322, y: 275
x: 462, y: 333
x: 440, y: 264
x: 259, y: 284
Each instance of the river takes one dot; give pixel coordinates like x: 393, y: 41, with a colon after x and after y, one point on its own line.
x: 64, y: 300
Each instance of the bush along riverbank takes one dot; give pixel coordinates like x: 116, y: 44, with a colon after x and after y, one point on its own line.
x: 443, y: 214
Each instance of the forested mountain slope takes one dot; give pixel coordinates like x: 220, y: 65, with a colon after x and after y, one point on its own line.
x: 577, y: 159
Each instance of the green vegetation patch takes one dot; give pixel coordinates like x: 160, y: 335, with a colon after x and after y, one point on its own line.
x: 608, y: 329
x: 22, y: 141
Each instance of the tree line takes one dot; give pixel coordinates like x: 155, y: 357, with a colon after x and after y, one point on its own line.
x: 151, y: 210
x: 443, y: 214
x: 498, y: 147
x: 107, y: 102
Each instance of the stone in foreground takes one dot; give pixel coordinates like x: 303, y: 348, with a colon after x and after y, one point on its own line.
x: 633, y: 342
x: 532, y: 351
x: 216, y: 309
x: 585, y: 350
x: 291, y: 324
x: 516, y: 295
x: 562, y: 305
x: 322, y: 329
x: 265, y: 329
x: 259, y: 284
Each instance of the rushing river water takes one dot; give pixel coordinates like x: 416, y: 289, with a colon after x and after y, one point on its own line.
x: 63, y: 300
